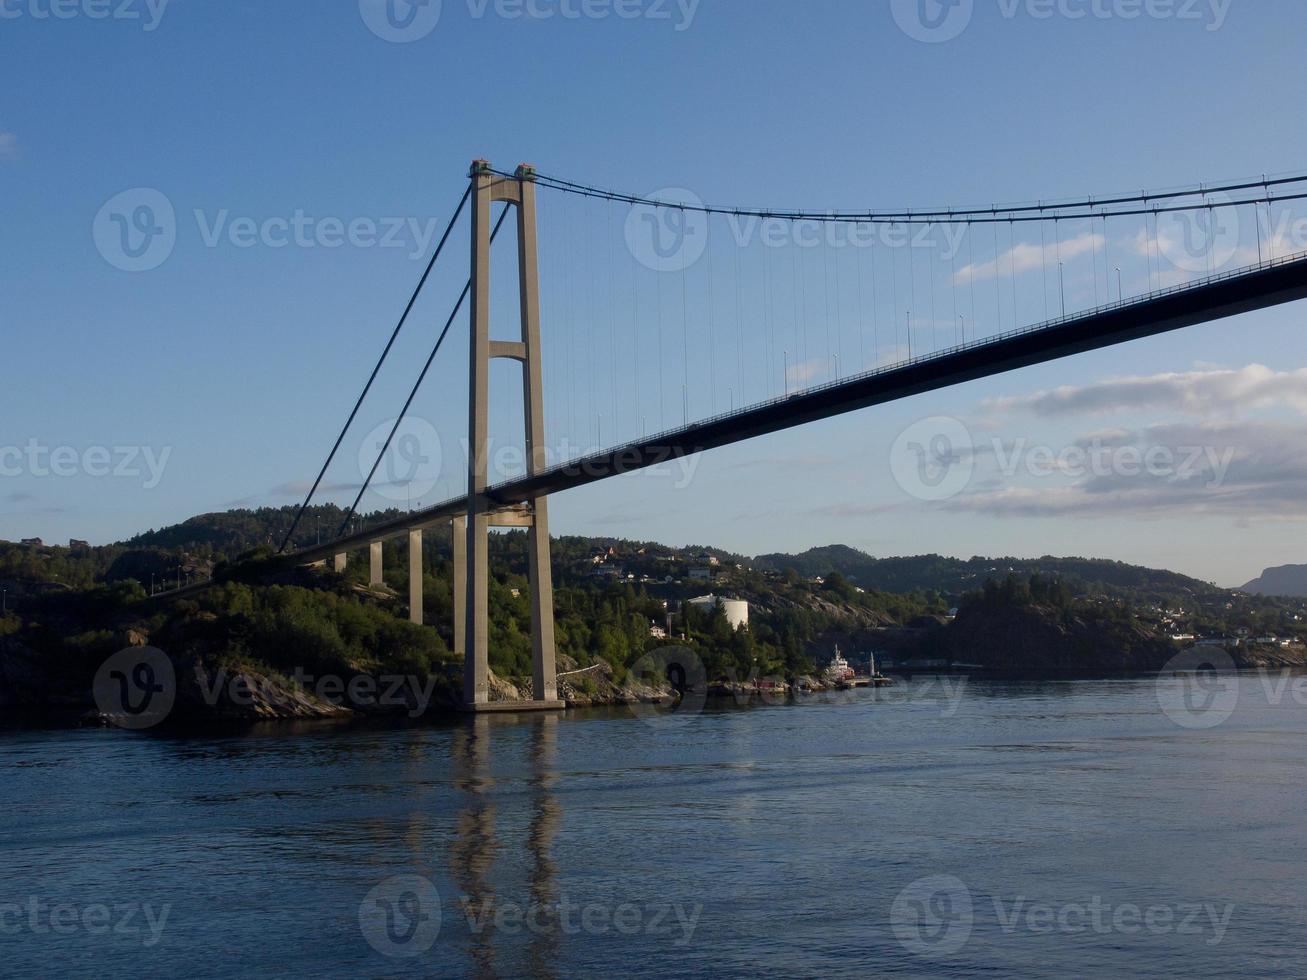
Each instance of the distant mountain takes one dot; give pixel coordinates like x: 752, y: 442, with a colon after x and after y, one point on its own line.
x: 954, y: 576
x: 1286, y: 580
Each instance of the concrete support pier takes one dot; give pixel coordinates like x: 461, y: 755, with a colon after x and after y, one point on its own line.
x: 375, y: 576
x: 415, y: 576
x: 459, y: 532
x: 340, y: 562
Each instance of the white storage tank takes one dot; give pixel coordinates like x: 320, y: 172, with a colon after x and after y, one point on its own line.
x: 735, y: 610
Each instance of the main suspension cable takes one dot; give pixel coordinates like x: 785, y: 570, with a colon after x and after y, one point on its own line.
x: 467, y: 288
x: 1040, y: 211
x: 373, y: 377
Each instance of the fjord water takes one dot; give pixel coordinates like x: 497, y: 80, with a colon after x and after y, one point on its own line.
x: 990, y: 830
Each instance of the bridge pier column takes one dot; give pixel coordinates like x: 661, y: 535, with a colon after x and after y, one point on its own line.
x: 544, y: 674
x: 415, y: 576
x: 459, y: 534
x: 544, y: 685
x: 375, y: 576
x: 340, y: 562
x: 481, y: 511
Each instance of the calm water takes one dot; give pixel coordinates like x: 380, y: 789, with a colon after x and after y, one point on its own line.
x: 1060, y: 829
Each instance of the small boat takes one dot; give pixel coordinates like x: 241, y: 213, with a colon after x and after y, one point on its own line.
x: 839, y: 670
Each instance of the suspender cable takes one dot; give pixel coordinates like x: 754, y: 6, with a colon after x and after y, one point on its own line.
x: 794, y: 299
x: 934, y: 321
x: 862, y: 340
x: 875, y: 308
x: 953, y: 278
x: 367, y: 387
x: 467, y: 288
x: 1012, y: 267
x: 612, y: 319
x: 1043, y: 261
x: 971, y: 267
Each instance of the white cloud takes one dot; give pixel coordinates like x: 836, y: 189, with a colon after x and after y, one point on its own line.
x: 1024, y: 257
x: 1192, y: 393
x: 1280, y: 240
x: 798, y: 375
x: 1247, y: 470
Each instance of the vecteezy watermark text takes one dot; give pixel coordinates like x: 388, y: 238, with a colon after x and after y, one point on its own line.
x: 935, y: 916
x: 148, y: 12
x: 944, y: 238
x: 40, y: 917
x: 1201, y: 687
x: 392, y: 691
x: 137, y: 230
x: 1096, y: 458
x: 669, y: 920
x: 672, y: 235
x: 402, y: 916
x: 406, y: 21
x: 938, y: 21
x: 935, y: 458
x: 120, y: 462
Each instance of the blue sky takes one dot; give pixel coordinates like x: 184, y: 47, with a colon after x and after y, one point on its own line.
x: 231, y: 368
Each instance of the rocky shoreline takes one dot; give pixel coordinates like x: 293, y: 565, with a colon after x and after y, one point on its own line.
x: 1029, y: 645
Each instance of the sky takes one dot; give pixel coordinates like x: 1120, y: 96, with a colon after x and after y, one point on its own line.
x: 213, y: 368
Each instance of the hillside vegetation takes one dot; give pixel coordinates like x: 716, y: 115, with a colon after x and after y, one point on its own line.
x: 615, y: 602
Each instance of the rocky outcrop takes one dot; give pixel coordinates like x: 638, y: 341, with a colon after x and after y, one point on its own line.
x: 577, y: 687
x: 1269, y: 657
x: 243, y: 693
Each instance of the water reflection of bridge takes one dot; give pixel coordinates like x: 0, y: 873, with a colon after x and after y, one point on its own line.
x: 477, y: 848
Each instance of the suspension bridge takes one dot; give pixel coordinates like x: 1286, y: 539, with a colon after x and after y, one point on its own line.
x: 793, y: 316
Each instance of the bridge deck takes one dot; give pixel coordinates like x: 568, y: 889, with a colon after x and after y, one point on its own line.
x: 1257, y: 287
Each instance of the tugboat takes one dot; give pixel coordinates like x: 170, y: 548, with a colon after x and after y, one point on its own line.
x: 839, y: 670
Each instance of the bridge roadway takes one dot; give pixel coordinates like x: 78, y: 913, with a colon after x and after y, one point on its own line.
x: 1257, y: 287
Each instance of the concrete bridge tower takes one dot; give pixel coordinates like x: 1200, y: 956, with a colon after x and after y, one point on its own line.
x: 471, y: 562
